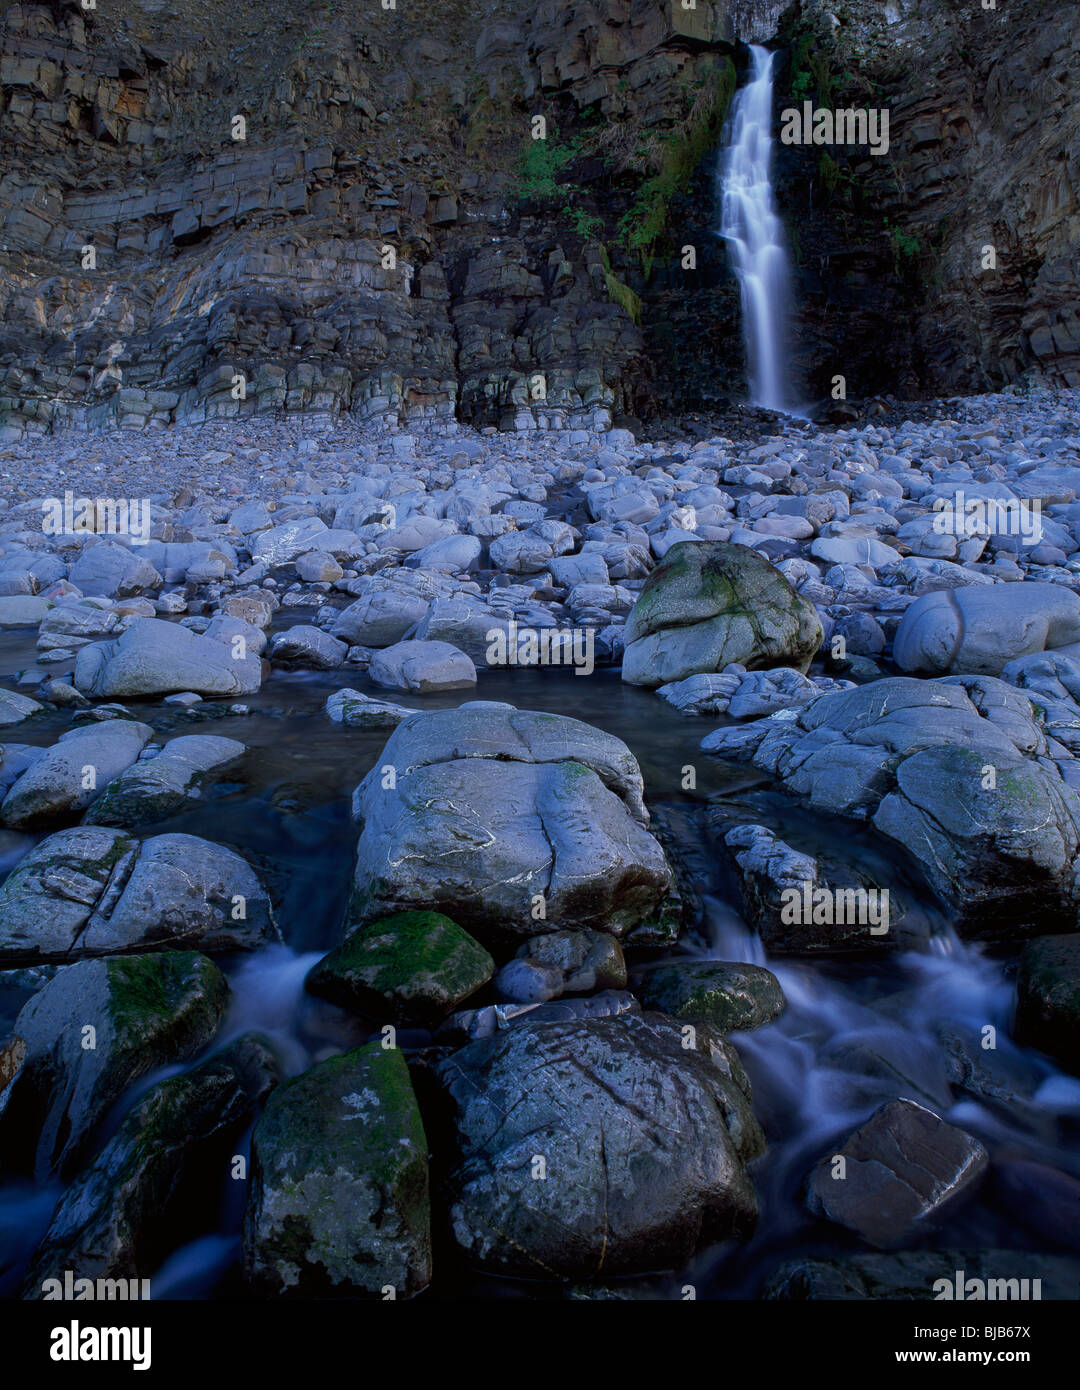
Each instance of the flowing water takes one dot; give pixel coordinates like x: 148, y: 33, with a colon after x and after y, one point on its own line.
x: 856, y: 1031
x: 753, y: 230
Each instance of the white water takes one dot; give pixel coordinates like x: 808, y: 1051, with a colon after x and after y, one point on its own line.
x: 755, y: 234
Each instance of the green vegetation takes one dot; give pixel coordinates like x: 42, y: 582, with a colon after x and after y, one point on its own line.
x: 907, y: 248
x: 542, y: 164
x: 619, y: 293
x: 678, y: 155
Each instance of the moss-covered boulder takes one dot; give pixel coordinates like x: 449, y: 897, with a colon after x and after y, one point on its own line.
x: 711, y: 603
x: 95, y: 1028
x: 413, y: 967
x: 1048, y: 998
x: 338, y: 1204
x: 730, y: 996
x: 161, y: 1175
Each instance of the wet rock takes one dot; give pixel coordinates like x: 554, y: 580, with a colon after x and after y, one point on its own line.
x: 639, y: 1168
x: 384, y: 613
x: 14, y: 708
x: 358, y: 711
x: 422, y: 667
x: 904, y: 1170
x: 94, y: 890
x: 122, y: 1215
x: 143, y: 1012
x: 72, y: 625
x: 528, y: 982
x: 915, y: 758
x: 496, y: 813
x: 710, y: 604
x: 585, y: 960
x: 1048, y: 998
x: 729, y: 996
x: 747, y: 694
x: 413, y: 967
x: 68, y: 776
x: 154, y: 657
x: 474, y: 1024
x: 338, y: 1203
x: 23, y: 611
x: 308, y: 646
x: 155, y: 788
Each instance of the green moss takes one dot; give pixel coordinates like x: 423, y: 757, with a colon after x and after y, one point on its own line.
x: 148, y: 991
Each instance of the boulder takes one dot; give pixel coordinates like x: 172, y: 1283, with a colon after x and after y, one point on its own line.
x: 338, y: 1203
x: 94, y: 891
x: 155, y: 657
x: 498, y: 815
x: 1048, y: 998
x: 729, y: 996
x: 308, y: 646
x: 69, y: 775
x: 710, y: 604
x: 412, y: 967
x: 423, y: 668
x: 143, y: 1012
x: 904, y: 1170
x: 598, y: 1144
x: 982, y: 628
x: 954, y: 771
x: 358, y: 711
x: 155, y: 788
x: 134, y: 1203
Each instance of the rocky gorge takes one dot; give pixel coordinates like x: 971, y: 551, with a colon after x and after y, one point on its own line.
x: 483, y: 813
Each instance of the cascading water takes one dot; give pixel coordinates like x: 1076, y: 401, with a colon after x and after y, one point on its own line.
x: 751, y: 227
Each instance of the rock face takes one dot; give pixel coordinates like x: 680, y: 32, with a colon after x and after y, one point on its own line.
x: 95, y: 891
x: 982, y: 629
x: 956, y: 771
x: 903, y: 1170
x: 338, y: 1202
x: 154, y: 657
x: 121, y: 1215
x: 598, y: 1145
x: 144, y: 1012
x: 1048, y: 998
x: 970, y: 326
x: 709, y: 604
x: 507, y: 820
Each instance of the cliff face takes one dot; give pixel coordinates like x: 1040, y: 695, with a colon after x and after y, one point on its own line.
x: 896, y: 286
x: 388, y: 239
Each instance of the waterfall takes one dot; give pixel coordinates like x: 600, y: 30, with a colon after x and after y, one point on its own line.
x: 754, y: 232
